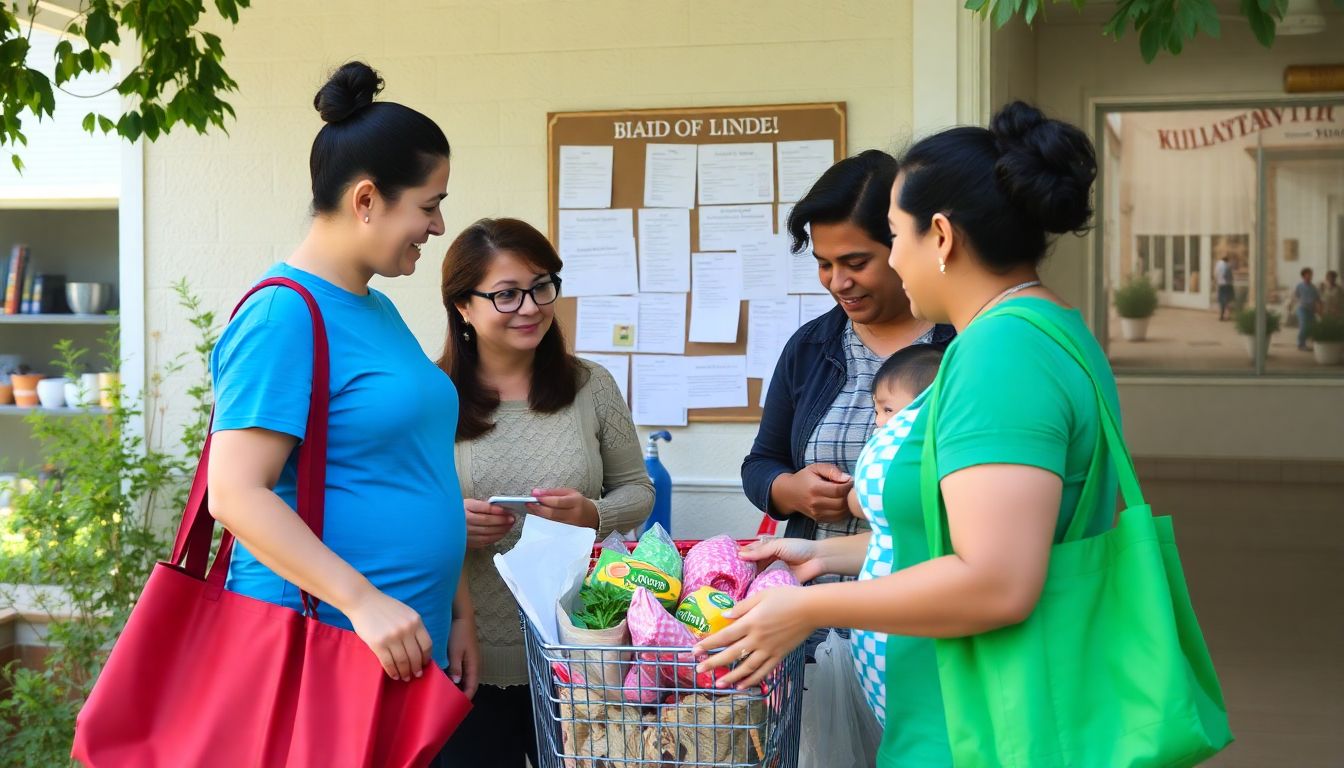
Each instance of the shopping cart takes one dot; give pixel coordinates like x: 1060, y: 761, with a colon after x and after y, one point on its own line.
x: 591, y: 712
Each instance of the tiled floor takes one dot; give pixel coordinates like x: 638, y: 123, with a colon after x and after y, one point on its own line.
x: 1265, y: 564
x: 1191, y: 339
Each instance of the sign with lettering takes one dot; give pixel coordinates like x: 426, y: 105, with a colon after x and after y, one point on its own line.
x: 1299, y: 123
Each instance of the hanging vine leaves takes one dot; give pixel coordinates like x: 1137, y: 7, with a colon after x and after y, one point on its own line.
x: 180, y: 79
x: 1161, y: 24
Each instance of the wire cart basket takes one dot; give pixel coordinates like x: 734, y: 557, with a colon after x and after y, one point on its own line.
x: 587, y: 716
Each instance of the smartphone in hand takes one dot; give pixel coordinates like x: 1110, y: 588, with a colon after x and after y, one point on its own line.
x: 513, y: 503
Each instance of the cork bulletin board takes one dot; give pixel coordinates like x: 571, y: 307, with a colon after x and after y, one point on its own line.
x: 629, y: 132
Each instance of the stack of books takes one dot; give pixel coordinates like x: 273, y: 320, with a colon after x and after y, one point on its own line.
x: 27, y: 291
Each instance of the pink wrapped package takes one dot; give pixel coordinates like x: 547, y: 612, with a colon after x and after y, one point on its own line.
x: 715, y: 563
x: 651, y: 625
x: 777, y: 575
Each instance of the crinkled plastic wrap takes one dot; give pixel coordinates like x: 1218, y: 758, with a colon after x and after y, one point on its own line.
x: 651, y: 625
x: 715, y: 563
x: 776, y: 575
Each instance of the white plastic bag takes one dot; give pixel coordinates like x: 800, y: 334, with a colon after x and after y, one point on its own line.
x: 838, y: 729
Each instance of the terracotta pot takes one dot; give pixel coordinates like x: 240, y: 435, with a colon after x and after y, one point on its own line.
x: 25, y: 388
x: 6, y: 394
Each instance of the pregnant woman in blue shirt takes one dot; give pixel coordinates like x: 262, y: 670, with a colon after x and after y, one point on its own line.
x: 388, y: 563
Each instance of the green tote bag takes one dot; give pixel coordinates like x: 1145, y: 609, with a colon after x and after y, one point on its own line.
x: 1111, y: 668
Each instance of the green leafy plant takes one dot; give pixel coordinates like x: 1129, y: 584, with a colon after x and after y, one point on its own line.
x: 1137, y: 298
x: 89, y: 530
x: 1246, y: 322
x: 604, y: 605
x: 1328, y: 330
x: 180, y: 78
x: 1161, y: 24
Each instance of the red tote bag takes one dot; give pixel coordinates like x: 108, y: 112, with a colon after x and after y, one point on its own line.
x: 203, y: 677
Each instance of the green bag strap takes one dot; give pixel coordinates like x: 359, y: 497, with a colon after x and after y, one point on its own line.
x: 930, y: 496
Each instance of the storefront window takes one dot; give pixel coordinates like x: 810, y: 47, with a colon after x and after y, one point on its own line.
x: 1213, y: 214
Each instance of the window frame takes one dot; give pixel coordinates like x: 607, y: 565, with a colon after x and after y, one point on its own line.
x: 1098, y: 302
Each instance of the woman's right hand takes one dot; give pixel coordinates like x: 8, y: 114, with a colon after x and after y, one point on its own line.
x: 819, y: 491
x: 803, y: 556
x: 394, y: 632
x: 486, y: 523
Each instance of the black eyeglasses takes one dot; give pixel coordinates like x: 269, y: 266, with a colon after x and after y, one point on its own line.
x: 511, y: 299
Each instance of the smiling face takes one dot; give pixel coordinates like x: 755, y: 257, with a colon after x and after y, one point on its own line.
x: 915, y: 258
x: 396, y: 230
x: 853, y: 268
x: 509, y: 332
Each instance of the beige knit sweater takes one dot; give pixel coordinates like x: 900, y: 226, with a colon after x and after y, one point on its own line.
x: 590, y: 446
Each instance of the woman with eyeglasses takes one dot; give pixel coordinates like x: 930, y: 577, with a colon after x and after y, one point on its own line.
x: 535, y: 421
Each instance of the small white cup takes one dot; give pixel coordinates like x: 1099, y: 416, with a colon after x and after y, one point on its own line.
x: 51, y: 392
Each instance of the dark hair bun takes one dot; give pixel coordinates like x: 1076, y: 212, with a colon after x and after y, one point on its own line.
x: 350, y: 89
x: 1045, y: 167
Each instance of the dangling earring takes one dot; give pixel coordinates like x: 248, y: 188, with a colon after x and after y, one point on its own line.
x: 942, y: 267
x: 466, y: 333
x: 366, y: 219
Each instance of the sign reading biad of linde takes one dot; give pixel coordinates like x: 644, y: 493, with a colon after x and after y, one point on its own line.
x: 695, y: 127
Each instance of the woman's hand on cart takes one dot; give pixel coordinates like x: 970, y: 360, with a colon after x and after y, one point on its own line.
x: 803, y: 556
x: 766, y: 628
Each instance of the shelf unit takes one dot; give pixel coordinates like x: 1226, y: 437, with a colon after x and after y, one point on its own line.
x: 70, y: 319
x: 24, y: 410
x: 79, y: 239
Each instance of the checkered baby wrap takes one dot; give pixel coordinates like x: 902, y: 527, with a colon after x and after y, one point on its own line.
x: 870, y: 473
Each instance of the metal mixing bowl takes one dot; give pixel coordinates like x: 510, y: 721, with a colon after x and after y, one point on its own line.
x: 88, y: 298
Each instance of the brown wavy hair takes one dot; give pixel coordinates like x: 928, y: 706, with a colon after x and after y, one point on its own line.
x: 556, y: 374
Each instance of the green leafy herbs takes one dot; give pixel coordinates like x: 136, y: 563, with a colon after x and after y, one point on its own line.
x: 604, y: 606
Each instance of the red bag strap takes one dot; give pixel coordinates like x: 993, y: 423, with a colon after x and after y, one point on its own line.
x: 196, y: 531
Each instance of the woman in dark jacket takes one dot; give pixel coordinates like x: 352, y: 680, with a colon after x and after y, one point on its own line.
x: 818, y: 411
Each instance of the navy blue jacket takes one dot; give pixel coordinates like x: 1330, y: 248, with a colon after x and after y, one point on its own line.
x: 807, y: 379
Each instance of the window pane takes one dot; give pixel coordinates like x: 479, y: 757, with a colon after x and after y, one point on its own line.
x: 1180, y: 210
x: 1303, y: 215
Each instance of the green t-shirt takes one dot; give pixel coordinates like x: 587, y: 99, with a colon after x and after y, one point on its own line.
x: 1011, y: 395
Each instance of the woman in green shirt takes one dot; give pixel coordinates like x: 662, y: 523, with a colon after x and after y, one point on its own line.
x: 971, y: 214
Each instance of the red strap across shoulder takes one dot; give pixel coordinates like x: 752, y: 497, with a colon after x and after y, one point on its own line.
x: 196, y: 530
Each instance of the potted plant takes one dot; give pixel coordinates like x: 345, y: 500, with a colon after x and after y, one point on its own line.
x: 1328, y: 337
x: 25, y: 386
x: 1135, y: 302
x: 1246, y: 327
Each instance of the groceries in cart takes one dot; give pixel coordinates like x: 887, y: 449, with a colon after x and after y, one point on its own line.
x: 616, y: 683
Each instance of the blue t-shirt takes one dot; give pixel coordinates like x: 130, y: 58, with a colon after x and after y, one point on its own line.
x: 393, y: 503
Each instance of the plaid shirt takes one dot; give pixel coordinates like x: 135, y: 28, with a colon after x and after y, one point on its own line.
x: 841, y: 434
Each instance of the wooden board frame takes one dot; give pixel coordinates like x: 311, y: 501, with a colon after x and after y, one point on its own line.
x: 794, y: 122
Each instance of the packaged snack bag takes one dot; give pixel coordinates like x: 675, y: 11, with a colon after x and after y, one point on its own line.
x: 654, y: 565
x: 630, y: 573
x: 702, y: 611
x: 715, y: 563
x: 657, y: 548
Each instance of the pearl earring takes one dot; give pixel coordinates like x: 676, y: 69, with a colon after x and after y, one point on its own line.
x: 942, y: 267
x: 366, y: 219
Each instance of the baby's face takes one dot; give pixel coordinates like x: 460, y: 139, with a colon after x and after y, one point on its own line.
x: 888, y: 399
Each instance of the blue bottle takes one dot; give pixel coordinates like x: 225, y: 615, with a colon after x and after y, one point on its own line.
x: 662, y: 483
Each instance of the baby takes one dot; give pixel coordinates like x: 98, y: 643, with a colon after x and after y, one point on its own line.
x: 900, y: 379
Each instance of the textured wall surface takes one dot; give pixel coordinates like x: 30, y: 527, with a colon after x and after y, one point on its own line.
x: 221, y: 208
